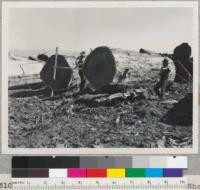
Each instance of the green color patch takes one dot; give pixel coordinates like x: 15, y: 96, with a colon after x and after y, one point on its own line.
x: 135, y: 172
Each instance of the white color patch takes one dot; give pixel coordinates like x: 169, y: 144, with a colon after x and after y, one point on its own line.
x: 57, y: 173
x: 177, y: 162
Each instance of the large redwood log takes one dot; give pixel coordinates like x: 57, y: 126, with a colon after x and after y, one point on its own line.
x: 63, y: 76
x: 100, y: 67
x: 183, y: 62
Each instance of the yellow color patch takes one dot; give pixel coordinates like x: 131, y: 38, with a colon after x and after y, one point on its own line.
x: 115, y: 173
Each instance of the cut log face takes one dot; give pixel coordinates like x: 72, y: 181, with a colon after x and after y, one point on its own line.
x: 100, y: 67
x: 182, y: 52
x: 183, y: 62
x: 63, y: 76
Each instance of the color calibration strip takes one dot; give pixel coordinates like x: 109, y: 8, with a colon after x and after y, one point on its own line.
x: 97, y: 173
x: 99, y: 162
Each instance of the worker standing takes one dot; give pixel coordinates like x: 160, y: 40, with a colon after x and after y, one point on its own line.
x: 79, y: 63
x: 160, y: 87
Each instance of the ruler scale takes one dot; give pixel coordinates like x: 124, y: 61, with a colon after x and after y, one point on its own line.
x: 99, y: 184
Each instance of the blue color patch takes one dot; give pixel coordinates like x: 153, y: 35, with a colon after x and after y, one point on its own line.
x: 154, y: 172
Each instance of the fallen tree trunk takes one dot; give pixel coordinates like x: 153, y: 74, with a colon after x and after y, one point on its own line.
x: 105, y: 99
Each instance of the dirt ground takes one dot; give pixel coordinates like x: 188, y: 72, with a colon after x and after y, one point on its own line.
x: 71, y: 120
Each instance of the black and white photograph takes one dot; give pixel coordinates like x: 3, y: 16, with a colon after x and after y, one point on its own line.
x: 100, y: 77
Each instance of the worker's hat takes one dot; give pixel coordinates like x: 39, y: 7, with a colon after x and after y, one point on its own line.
x: 82, y: 53
x: 165, y: 60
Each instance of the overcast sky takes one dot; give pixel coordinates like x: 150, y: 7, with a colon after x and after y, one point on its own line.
x: 159, y: 29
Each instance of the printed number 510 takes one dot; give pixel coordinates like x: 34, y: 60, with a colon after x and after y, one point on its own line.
x: 5, y: 185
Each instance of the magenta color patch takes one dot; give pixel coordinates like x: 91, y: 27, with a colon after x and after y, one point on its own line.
x: 75, y: 172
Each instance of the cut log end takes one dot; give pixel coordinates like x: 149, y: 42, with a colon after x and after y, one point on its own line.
x: 63, y: 76
x: 100, y: 67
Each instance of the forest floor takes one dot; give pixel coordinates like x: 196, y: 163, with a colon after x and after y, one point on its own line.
x: 134, y: 117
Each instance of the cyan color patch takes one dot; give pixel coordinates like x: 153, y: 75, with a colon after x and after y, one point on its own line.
x: 154, y: 172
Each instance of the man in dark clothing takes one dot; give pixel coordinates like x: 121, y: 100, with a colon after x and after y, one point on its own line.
x: 122, y: 77
x: 79, y: 64
x: 160, y: 87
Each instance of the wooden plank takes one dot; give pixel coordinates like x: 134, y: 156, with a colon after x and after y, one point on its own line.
x: 55, y: 66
